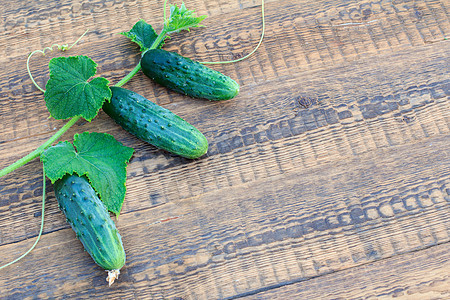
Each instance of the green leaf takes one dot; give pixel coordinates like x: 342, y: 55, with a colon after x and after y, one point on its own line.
x: 181, y: 19
x: 68, y: 91
x: 142, y: 34
x: 100, y: 157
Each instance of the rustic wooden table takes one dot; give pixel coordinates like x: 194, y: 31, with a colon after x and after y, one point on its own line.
x: 327, y: 177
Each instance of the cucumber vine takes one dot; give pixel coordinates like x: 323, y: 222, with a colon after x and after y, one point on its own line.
x: 58, y: 85
x: 98, y: 156
x: 156, y: 43
x: 180, y: 19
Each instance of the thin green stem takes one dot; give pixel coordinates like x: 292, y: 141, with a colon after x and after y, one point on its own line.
x: 29, y: 71
x: 129, y: 76
x: 40, y: 149
x: 40, y: 231
x: 136, y: 69
x: 79, y: 39
x: 158, y: 40
x: 165, y: 15
x: 248, y: 55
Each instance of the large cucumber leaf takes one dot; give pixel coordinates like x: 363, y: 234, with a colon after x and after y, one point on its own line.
x: 100, y: 157
x: 69, y: 92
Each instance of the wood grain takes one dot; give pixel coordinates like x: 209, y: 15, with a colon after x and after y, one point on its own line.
x: 264, y: 233
x: 331, y: 163
x: 418, y: 275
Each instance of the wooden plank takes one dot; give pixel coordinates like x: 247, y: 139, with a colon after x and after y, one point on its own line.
x: 285, y: 228
x: 267, y: 137
x: 417, y: 275
x: 287, y: 191
x: 120, y: 55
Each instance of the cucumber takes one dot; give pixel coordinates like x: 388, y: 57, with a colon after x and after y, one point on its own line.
x: 155, y: 124
x: 90, y: 220
x: 186, y: 76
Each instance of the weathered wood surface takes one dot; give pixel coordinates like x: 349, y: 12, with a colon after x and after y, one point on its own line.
x: 345, y: 198
x: 418, y: 275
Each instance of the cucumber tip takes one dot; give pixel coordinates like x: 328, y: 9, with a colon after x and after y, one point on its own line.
x: 112, y: 276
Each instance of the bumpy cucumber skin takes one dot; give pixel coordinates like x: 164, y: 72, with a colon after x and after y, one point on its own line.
x: 155, y: 124
x: 186, y: 76
x: 90, y: 220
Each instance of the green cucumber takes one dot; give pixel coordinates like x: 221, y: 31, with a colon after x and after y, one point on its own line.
x: 90, y: 220
x: 186, y: 76
x: 155, y: 124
